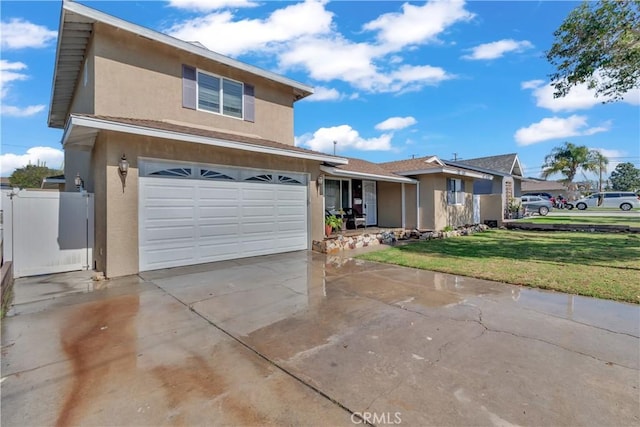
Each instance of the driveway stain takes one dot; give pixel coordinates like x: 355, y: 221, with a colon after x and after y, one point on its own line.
x: 100, y: 341
x: 195, y: 379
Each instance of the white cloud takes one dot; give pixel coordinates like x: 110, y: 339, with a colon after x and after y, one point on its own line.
x: 326, y: 59
x: 321, y: 93
x: 557, y: 127
x: 580, y: 97
x: 9, y: 72
x: 209, y: 5
x: 346, y: 138
x: 396, y: 123
x: 52, y: 157
x: 220, y: 33
x: 13, y: 111
x: 418, y: 24
x: 497, y: 49
x: 303, y: 36
x: 19, y: 34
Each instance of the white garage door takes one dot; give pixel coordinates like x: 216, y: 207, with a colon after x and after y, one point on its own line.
x: 192, y: 214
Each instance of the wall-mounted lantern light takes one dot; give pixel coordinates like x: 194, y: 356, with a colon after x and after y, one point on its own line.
x: 123, y: 169
x: 79, y: 182
x: 320, y: 184
x: 123, y: 166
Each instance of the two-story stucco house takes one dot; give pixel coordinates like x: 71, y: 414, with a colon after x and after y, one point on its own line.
x: 213, y: 172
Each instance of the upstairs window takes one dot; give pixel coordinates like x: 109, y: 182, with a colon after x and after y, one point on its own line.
x: 455, y: 191
x: 208, y: 92
x: 219, y: 95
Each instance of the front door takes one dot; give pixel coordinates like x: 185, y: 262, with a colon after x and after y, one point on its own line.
x: 370, y: 205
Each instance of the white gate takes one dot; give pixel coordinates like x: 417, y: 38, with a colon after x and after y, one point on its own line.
x: 47, y: 231
x: 476, y: 209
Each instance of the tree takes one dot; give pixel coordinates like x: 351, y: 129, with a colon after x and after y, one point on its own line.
x: 568, y: 159
x: 601, y: 163
x: 31, y: 176
x: 598, y: 44
x: 625, y: 177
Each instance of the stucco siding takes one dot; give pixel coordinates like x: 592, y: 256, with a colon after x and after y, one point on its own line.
x: 76, y: 161
x: 121, y: 242
x: 410, y: 206
x: 99, y: 188
x: 389, y: 204
x: 140, y: 78
x: 84, y: 99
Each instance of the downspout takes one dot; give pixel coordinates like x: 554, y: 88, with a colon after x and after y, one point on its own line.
x: 418, y: 205
x: 404, y: 221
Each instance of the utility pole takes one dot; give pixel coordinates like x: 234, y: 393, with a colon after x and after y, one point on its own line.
x: 334, y: 147
x: 455, y: 157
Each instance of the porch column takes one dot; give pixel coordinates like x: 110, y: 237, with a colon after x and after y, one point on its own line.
x: 404, y: 220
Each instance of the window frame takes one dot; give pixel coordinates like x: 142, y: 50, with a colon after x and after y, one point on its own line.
x: 221, y: 81
x: 452, y: 195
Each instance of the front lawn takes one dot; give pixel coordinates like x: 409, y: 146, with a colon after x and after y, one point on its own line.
x: 592, y: 264
x: 632, y: 220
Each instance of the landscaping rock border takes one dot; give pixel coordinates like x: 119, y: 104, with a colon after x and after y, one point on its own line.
x: 389, y: 237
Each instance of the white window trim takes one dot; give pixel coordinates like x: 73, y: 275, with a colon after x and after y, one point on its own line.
x: 455, y: 193
x: 220, y: 94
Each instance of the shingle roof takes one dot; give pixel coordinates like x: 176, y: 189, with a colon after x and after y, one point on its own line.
x: 363, y: 166
x: 419, y: 163
x: 502, y: 163
x: 207, y: 133
x: 537, y: 185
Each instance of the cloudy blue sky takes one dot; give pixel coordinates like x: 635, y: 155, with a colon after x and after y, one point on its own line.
x: 393, y: 79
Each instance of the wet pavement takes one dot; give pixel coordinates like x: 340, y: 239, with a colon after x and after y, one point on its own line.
x: 304, y: 339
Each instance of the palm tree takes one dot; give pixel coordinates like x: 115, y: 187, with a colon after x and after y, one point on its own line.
x: 567, y: 159
x: 601, y: 163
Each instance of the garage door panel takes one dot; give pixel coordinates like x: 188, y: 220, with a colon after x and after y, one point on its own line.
x: 174, y: 233
x: 219, y: 212
x: 170, y: 213
x: 217, y: 231
x: 191, y: 221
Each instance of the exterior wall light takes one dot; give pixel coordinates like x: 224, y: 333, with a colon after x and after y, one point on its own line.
x: 79, y: 182
x: 123, y: 166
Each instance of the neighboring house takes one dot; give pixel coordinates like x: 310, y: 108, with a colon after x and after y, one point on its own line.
x: 56, y: 182
x: 503, y: 185
x: 533, y: 185
x: 442, y: 195
x: 4, y: 183
x: 213, y: 172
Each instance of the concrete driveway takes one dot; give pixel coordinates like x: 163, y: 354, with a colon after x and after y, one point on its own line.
x: 302, y: 339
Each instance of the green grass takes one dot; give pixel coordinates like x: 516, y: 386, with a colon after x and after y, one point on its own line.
x: 632, y: 220
x: 592, y: 264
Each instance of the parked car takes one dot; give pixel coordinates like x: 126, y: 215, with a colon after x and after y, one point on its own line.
x: 533, y: 204
x: 543, y: 195
x: 625, y: 200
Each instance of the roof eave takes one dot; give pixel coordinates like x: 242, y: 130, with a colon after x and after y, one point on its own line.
x: 76, y: 122
x: 445, y: 170
x: 360, y: 175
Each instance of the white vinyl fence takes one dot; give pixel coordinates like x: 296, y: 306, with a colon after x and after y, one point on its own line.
x: 47, y: 231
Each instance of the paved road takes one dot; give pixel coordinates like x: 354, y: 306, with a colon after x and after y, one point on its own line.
x: 301, y: 339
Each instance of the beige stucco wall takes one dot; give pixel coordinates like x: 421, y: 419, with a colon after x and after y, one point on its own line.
x: 76, y: 161
x: 84, y: 95
x: 389, y: 200
x: 435, y: 213
x: 117, y: 210
x: 410, y: 201
x: 141, y: 78
x: 491, y: 208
